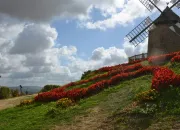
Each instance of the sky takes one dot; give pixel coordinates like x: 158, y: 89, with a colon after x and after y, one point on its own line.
x: 54, y: 42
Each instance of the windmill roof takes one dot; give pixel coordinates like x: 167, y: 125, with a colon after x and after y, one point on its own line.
x: 167, y: 17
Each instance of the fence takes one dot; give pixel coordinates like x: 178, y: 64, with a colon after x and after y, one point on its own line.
x: 138, y: 57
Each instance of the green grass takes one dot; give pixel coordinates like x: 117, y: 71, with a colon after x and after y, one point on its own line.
x: 175, y: 67
x: 81, y: 86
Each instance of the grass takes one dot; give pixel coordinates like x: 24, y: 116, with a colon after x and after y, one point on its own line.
x: 80, y: 86
x: 175, y: 67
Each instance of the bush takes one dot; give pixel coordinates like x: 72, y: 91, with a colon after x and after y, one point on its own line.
x: 26, y: 102
x: 64, y: 103
x: 85, y: 74
x: 5, y: 92
x: 47, y: 88
x: 149, y: 95
x: 15, y: 93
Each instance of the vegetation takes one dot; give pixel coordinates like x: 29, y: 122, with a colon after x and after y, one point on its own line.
x: 15, y: 93
x: 85, y: 74
x: 5, y: 92
x: 47, y: 88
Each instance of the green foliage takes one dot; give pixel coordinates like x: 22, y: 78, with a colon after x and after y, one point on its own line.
x: 47, y: 88
x: 15, y: 93
x: 175, y: 67
x: 5, y: 92
x: 80, y: 86
x: 165, y: 102
x: 84, y: 75
x: 169, y: 100
x: 146, y: 108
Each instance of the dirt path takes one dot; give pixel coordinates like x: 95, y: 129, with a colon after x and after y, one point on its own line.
x: 7, y: 103
x: 95, y: 120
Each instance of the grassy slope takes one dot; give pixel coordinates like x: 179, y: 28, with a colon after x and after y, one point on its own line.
x: 112, y: 101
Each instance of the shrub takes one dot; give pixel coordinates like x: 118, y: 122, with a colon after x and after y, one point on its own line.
x: 5, y: 92
x: 160, y: 59
x: 15, y: 93
x: 47, y: 88
x: 175, y: 59
x: 149, y: 95
x: 64, y: 103
x: 163, y: 78
x: 85, y: 74
x: 26, y: 102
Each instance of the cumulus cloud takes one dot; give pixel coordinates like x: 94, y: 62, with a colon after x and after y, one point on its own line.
x: 34, y: 38
x: 131, y: 50
x: 109, y: 56
x: 132, y: 10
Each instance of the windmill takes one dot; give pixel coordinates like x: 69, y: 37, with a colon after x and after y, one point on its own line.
x: 163, y: 32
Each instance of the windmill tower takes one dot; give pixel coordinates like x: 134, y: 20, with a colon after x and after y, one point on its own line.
x: 163, y: 32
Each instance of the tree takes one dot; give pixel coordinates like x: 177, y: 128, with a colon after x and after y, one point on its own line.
x: 5, y: 92
x: 49, y: 87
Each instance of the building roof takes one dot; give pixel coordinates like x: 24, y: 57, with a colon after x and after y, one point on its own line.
x: 167, y: 17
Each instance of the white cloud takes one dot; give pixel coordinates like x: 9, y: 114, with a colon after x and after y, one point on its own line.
x: 34, y: 38
x: 109, y: 56
x: 131, y: 50
x: 132, y: 10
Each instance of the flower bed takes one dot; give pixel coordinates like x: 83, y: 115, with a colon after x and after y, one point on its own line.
x: 100, y: 77
x: 111, y: 68
x: 163, y: 78
x: 175, y: 59
x: 162, y: 58
x: 76, y: 94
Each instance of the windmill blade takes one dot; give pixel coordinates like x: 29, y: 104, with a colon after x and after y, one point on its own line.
x: 175, y: 3
x: 140, y: 32
x: 150, y: 4
x: 178, y: 5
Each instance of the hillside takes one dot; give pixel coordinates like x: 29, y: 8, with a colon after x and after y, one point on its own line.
x: 138, y: 95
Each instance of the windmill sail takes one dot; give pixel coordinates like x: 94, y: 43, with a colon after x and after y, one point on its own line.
x: 176, y: 2
x: 140, y: 33
x: 150, y: 4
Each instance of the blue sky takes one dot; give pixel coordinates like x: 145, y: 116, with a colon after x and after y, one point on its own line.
x: 86, y: 40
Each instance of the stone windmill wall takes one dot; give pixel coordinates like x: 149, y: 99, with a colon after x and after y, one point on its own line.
x: 162, y: 40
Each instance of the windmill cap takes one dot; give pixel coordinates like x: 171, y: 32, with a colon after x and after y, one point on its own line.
x: 167, y: 17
